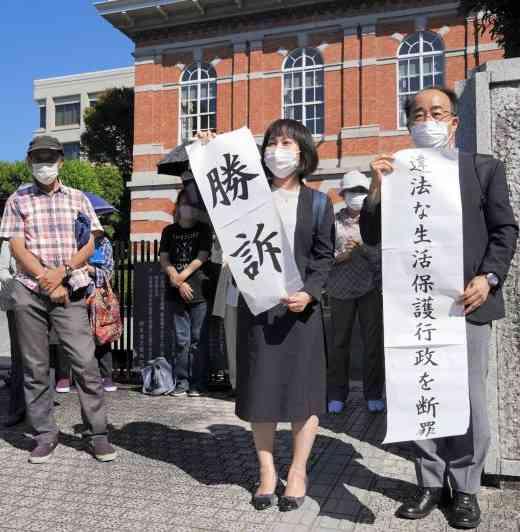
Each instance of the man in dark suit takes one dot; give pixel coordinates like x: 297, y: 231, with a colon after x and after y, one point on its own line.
x: 489, y: 234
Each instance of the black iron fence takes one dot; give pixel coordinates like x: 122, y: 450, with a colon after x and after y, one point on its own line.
x: 127, y: 255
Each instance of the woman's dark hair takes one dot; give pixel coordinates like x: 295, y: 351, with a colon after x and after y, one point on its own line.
x: 301, y: 135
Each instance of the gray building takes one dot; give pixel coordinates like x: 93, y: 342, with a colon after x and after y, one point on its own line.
x: 62, y: 102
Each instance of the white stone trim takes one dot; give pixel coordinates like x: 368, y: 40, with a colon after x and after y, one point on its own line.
x: 149, y: 149
x: 444, y: 31
x: 151, y: 216
x: 371, y: 130
x: 394, y: 133
x: 397, y: 36
x: 356, y: 63
x: 153, y: 179
x: 169, y: 193
x: 153, y: 87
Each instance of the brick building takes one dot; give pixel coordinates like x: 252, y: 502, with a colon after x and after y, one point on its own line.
x: 342, y: 67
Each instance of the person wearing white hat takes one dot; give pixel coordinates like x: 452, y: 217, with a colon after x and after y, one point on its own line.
x: 354, y: 288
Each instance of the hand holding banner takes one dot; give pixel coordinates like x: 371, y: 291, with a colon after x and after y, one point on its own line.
x: 231, y: 179
x: 423, y: 280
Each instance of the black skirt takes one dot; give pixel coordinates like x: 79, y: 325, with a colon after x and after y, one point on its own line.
x: 281, y: 368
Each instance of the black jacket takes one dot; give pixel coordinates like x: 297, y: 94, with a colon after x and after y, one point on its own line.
x: 314, y: 254
x: 489, y: 227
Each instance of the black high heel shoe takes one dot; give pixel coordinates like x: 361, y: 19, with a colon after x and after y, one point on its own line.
x: 265, y: 500
x: 288, y: 503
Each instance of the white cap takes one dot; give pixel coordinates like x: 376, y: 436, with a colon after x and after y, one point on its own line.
x: 354, y: 179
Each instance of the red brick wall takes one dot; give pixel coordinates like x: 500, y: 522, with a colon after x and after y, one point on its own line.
x: 257, y: 102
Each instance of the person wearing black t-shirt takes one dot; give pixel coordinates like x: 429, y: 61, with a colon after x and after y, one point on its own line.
x: 185, y: 247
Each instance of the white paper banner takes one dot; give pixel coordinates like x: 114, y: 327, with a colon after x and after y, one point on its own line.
x: 234, y: 188
x: 423, y: 279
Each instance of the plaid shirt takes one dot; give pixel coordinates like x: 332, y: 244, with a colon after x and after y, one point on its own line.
x: 362, y: 273
x: 46, y: 222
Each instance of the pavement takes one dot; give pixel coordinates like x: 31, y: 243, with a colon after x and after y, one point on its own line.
x: 188, y: 464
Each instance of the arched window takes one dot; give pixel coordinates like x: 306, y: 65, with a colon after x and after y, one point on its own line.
x: 421, y: 65
x: 303, y: 90
x: 198, y: 100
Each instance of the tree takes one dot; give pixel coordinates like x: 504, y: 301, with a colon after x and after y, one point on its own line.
x: 104, y: 180
x: 109, y: 134
x: 501, y: 17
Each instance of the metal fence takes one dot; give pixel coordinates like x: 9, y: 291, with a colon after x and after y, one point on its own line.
x: 126, y: 256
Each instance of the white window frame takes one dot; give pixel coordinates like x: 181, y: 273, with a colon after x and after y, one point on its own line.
x: 314, y: 67
x: 210, y: 80
x: 42, y: 104
x: 421, y: 55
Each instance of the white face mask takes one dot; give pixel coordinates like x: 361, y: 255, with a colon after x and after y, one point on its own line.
x: 430, y: 134
x: 354, y: 200
x: 281, y: 161
x: 45, y: 173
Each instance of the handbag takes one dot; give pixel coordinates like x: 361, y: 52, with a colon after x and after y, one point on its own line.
x: 158, y: 377
x: 105, y: 314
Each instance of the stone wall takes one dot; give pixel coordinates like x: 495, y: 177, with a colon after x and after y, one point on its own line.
x: 490, y: 116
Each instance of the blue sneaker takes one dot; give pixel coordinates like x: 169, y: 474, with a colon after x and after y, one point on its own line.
x: 376, y: 405
x: 336, y: 407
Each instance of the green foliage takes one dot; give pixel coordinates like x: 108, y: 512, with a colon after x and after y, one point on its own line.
x: 503, y: 17
x: 109, y: 134
x: 104, y: 180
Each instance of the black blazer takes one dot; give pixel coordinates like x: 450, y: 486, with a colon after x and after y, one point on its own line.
x: 489, y: 228
x: 314, y: 255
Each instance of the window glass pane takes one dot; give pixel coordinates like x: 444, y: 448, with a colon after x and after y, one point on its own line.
x: 287, y: 97
x: 204, y: 106
x: 427, y: 81
x: 439, y: 79
x: 71, y: 150
x: 415, y: 84
x: 309, y: 79
x: 320, y: 111
x: 297, y: 113
x: 287, y: 80
x: 204, y: 122
x: 414, y: 49
x: 68, y: 114
x: 319, y: 94
x: 213, y: 105
x: 309, y: 95
x: 318, y: 76
x: 310, y: 112
x: 428, y: 65
x: 193, y: 92
x: 297, y: 95
x: 213, y: 90
x: 298, y: 63
x: 438, y: 63
x: 402, y: 115
x: 289, y: 112
x: 297, y: 80
x: 404, y: 49
x: 192, y: 108
x: 204, y: 90
x: 413, y: 67
x: 43, y: 116
x: 403, y: 85
x: 320, y: 126
x: 403, y: 68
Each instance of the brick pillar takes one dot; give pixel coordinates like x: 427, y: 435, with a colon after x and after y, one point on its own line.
x: 240, y: 85
x: 256, y: 95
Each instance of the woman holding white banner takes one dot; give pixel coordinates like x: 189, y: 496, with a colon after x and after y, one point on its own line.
x: 281, y: 368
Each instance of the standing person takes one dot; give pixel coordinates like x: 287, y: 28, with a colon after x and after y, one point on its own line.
x: 354, y: 287
x: 489, y: 235
x: 101, y: 268
x: 185, y: 247
x: 52, y: 281
x: 281, y: 375
x: 16, y: 409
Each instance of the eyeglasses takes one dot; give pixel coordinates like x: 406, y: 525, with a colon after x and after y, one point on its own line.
x: 438, y: 115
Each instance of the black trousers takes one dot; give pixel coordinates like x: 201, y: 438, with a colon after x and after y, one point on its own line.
x: 16, y: 393
x: 369, y: 307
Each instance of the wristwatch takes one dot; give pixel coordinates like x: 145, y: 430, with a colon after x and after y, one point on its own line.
x: 68, y: 270
x: 492, y: 280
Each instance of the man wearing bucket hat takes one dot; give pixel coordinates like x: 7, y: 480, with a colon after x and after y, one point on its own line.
x: 52, y: 280
x: 354, y: 288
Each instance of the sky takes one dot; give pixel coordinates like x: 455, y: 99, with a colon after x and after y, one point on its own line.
x: 43, y: 39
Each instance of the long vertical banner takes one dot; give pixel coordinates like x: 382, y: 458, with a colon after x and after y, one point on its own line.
x: 423, y: 280
x: 235, y: 191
